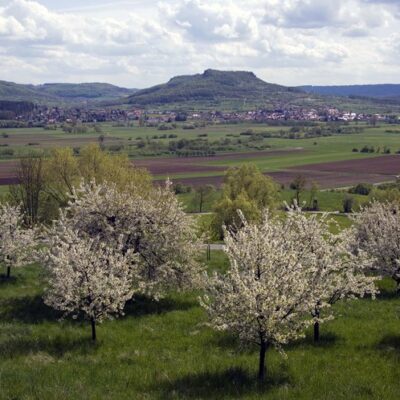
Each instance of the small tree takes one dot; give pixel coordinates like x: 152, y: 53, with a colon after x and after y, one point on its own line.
x: 202, y: 194
x: 378, y: 233
x: 86, y: 277
x: 298, y: 185
x: 16, y: 243
x: 348, y: 204
x: 313, y: 203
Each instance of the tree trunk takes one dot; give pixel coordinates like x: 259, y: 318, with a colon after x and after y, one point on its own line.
x: 8, y: 272
x: 201, y: 203
x: 316, y: 332
x: 93, y: 323
x: 262, y: 367
x: 316, y: 326
x: 397, y: 285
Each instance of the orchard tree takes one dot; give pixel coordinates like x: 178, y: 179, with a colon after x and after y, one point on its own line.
x: 86, y: 277
x: 264, y: 297
x: 341, y: 269
x: 378, y: 233
x: 153, y: 226
x: 283, y: 273
x: 16, y: 243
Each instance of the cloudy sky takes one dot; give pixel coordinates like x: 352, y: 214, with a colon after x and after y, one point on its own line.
x: 138, y: 43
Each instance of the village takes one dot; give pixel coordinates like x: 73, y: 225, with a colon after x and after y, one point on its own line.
x: 42, y: 116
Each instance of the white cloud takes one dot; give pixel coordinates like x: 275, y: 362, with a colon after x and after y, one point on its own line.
x: 139, y: 43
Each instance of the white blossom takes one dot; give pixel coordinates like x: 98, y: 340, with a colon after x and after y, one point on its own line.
x: 86, y: 277
x: 281, y: 270
x: 155, y: 227
x: 378, y: 232
x: 16, y: 242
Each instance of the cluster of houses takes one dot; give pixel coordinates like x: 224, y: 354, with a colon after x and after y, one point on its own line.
x: 57, y: 115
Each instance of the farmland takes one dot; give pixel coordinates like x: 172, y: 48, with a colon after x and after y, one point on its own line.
x: 331, y: 161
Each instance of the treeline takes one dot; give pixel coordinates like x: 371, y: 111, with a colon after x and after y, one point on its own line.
x: 16, y: 107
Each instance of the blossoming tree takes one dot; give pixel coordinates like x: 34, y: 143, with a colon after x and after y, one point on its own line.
x: 378, y: 232
x: 281, y: 272
x: 16, y: 242
x: 153, y: 226
x: 340, y: 269
x: 86, y: 277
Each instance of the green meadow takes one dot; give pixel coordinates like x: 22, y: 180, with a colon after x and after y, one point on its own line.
x: 164, y: 350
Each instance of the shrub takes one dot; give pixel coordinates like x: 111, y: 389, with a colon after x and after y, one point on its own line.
x: 362, y: 188
x: 348, y: 204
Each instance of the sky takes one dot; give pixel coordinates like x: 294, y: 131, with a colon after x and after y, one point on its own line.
x: 140, y: 43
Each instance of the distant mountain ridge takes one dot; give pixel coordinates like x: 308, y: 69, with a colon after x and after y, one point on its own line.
x: 378, y: 90
x: 210, y: 90
x: 62, y: 92
x: 216, y: 87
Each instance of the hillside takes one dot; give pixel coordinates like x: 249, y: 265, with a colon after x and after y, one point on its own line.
x: 213, y: 87
x: 60, y: 93
x: 378, y: 91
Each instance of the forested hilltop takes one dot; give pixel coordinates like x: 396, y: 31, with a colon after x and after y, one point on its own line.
x: 383, y: 91
x: 61, y: 93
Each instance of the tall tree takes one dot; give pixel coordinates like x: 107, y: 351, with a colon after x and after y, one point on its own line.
x: 31, y: 185
x: 62, y: 174
x: 246, y: 189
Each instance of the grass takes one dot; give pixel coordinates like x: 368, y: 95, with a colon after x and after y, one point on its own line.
x: 3, y: 190
x: 165, y: 351
x: 327, y: 200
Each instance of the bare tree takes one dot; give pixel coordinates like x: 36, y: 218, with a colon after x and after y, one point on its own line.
x: 31, y: 186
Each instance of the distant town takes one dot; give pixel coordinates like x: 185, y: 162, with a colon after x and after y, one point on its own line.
x: 42, y: 116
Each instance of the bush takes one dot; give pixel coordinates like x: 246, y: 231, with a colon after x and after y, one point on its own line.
x: 362, y: 188
x: 348, y: 204
x: 188, y: 126
x: 367, y: 149
x: 180, y: 188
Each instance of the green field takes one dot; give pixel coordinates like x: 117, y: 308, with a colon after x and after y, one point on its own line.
x: 320, y: 149
x: 327, y: 200
x: 165, y: 351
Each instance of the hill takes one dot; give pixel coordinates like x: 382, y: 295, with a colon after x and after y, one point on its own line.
x: 60, y: 93
x: 375, y: 91
x: 219, y: 88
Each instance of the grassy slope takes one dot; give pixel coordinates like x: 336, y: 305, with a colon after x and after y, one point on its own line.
x: 164, y: 351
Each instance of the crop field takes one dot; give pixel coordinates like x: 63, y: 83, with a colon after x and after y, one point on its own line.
x: 330, y: 161
x: 164, y: 350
